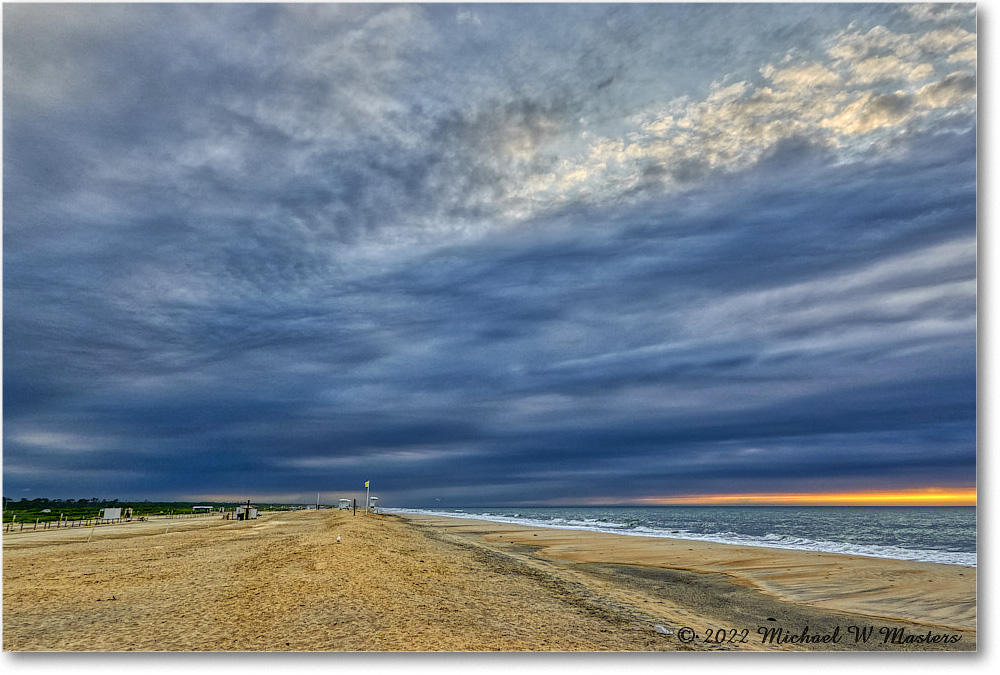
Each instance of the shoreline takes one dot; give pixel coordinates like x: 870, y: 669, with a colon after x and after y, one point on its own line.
x: 926, y: 594
x: 905, y: 554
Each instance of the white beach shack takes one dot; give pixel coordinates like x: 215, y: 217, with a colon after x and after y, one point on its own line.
x: 246, y: 512
x: 373, y: 504
x: 343, y: 504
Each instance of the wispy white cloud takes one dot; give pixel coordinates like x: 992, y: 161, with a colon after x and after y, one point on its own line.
x: 941, y: 12
x: 59, y: 441
x: 873, y: 81
x: 884, y: 292
x: 467, y: 16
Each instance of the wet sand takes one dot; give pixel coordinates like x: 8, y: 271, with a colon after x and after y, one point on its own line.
x: 283, y: 583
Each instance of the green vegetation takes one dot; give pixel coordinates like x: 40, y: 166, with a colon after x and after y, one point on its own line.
x: 50, y: 510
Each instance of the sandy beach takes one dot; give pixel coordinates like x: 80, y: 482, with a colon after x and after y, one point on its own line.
x: 422, y: 583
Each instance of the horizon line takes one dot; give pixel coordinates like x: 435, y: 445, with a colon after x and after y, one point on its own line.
x: 928, y: 496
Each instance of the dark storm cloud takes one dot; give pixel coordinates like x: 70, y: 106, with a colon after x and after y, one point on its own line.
x: 291, y: 248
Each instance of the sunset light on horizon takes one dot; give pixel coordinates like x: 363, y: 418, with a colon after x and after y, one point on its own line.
x: 930, y: 496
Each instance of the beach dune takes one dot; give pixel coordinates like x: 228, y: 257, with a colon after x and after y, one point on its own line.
x: 422, y: 583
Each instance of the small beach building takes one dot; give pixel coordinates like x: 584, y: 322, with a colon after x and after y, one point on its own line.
x: 246, y: 512
x: 343, y: 504
x: 205, y: 509
x: 373, y: 504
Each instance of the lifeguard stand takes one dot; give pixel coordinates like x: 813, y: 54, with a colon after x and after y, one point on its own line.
x: 373, y: 504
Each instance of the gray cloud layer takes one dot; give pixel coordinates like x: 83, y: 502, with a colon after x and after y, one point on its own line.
x: 485, y: 253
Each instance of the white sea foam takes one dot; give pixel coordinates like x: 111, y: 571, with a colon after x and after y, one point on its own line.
x: 963, y: 558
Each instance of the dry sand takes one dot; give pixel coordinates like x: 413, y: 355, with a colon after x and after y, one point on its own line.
x: 429, y: 584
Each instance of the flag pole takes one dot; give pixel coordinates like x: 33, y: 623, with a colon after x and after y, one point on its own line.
x: 368, y: 492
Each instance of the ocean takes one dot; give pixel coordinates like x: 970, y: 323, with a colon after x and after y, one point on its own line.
x: 942, y: 534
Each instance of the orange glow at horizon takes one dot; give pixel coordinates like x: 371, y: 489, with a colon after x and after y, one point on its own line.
x: 930, y: 496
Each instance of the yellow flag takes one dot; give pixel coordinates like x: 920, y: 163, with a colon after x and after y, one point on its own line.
x: 366, y: 483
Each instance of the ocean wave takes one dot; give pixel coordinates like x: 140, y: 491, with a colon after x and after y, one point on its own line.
x: 632, y: 528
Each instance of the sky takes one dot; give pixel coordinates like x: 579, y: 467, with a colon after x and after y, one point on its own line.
x: 489, y: 254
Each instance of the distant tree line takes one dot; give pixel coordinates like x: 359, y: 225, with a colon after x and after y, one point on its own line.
x: 44, y: 510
